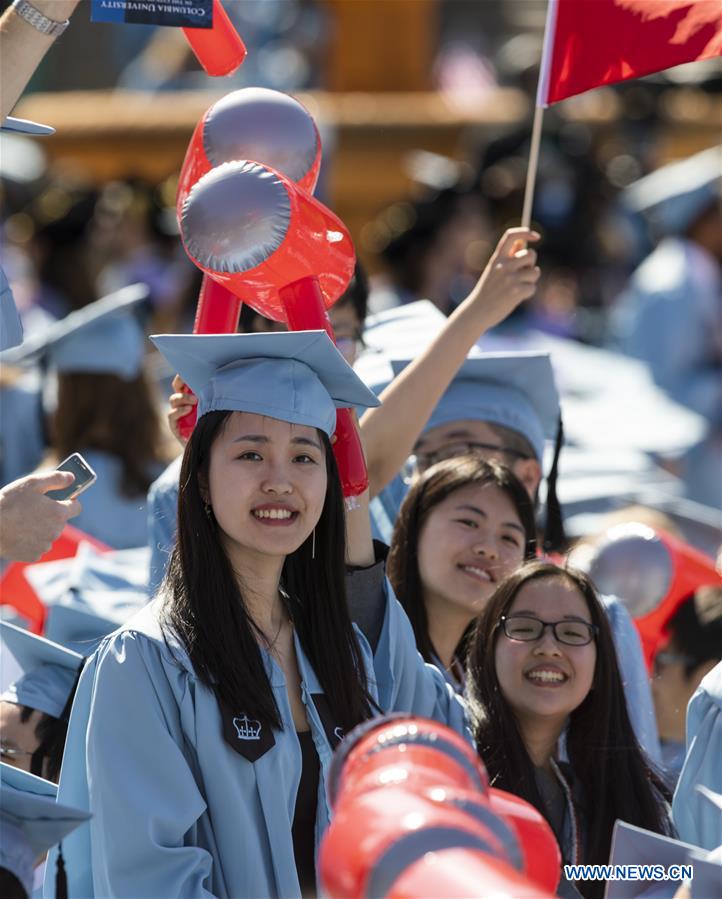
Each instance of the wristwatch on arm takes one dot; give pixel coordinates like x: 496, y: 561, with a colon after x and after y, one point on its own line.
x: 38, y: 20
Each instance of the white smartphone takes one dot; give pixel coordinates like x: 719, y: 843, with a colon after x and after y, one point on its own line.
x: 84, y: 477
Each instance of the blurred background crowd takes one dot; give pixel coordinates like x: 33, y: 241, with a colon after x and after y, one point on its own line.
x: 425, y: 112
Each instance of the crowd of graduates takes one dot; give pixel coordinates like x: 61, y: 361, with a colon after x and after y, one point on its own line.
x: 226, y: 615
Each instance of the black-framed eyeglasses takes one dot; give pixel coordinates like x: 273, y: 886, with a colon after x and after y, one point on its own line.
x: 13, y: 752
x: 527, y: 628
x: 464, y: 448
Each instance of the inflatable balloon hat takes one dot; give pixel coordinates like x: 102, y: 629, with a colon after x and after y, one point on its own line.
x: 252, y: 123
x: 252, y: 230
x: 218, y: 49
x: 653, y: 573
x: 413, y: 818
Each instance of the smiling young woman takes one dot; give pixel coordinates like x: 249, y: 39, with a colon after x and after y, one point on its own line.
x: 465, y: 524
x: 542, y: 667
x: 203, y: 730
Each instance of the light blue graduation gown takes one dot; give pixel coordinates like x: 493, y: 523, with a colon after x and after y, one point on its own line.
x: 11, y: 329
x: 176, y: 810
x: 162, y: 508
x: 697, y: 819
x: 108, y: 514
x: 670, y: 318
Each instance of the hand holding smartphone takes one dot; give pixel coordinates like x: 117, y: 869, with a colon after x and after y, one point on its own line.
x: 84, y: 478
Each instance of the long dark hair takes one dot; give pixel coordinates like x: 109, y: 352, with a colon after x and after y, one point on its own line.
x: 106, y: 412
x: 205, y: 605
x: 617, y: 779
x: 432, y: 488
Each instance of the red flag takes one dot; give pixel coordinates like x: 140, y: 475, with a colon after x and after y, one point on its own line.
x: 589, y: 43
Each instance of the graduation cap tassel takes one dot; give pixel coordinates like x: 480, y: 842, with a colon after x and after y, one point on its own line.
x: 61, y: 881
x: 554, y: 536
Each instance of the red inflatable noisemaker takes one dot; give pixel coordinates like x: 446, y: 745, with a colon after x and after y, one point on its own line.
x: 413, y: 817
x: 251, y: 123
x: 257, y: 234
x: 653, y: 573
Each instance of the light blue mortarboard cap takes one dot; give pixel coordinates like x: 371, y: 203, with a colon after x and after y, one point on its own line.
x: 515, y: 390
x: 31, y: 821
x: 90, y: 595
x: 49, y: 671
x: 103, y: 338
x: 674, y: 195
x: 294, y: 376
x: 25, y: 126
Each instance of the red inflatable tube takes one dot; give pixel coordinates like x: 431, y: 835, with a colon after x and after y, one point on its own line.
x: 305, y: 311
x: 413, y: 816
x: 219, y: 49
x: 217, y: 312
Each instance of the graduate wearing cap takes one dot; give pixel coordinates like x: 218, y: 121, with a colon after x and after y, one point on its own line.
x: 105, y: 411
x: 35, y: 709
x: 698, y: 820
x: 499, y: 406
x: 388, y: 433
x: 202, y: 731
x: 31, y: 821
x: 670, y: 316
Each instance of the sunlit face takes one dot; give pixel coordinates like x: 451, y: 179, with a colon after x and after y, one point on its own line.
x: 546, y: 679
x: 18, y: 740
x: 266, y: 484
x: 469, y: 542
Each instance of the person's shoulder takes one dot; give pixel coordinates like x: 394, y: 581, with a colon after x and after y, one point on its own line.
x: 664, y: 271
x: 168, y: 479
x: 711, y: 685
x: 149, y: 634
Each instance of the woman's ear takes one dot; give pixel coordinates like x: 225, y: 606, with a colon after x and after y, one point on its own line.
x: 529, y: 473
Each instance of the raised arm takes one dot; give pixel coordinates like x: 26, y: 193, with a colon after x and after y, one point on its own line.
x: 22, y: 48
x: 390, y: 430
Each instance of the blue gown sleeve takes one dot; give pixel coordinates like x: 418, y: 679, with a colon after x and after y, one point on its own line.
x: 634, y: 678
x: 141, y: 791
x: 696, y: 818
x: 405, y: 683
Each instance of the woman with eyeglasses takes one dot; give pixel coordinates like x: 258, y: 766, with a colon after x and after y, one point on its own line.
x: 465, y: 525
x: 550, y: 718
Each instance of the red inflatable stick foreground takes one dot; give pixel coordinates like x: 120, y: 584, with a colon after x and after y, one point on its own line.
x: 653, y: 573
x: 219, y: 49
x: 413, y: 817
